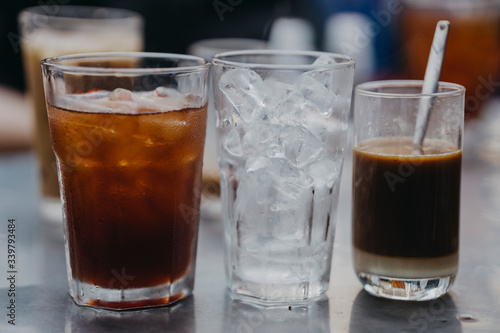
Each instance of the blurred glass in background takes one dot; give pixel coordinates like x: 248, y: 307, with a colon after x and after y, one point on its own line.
x: 472, y: 56
x: 47, y: 32
x: 210, y: 205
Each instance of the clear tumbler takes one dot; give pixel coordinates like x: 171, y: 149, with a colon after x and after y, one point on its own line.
x: 281, y: 120
x: 128, y: 132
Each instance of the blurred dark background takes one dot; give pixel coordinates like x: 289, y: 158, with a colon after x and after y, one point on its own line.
x: 172, y: 25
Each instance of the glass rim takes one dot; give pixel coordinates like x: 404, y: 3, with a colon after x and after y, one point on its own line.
x: 218, y: 59
x: 40, y: 10
x: 364, y: 89
x: 54, y: 63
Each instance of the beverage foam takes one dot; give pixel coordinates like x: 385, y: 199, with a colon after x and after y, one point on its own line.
x: 127, y: 102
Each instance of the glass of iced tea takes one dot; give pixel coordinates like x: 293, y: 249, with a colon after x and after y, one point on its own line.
x: 406, y: 201
x: 48, y: 31
x: 128, y: 132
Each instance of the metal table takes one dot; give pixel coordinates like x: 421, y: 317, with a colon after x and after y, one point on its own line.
x: 43, y: 304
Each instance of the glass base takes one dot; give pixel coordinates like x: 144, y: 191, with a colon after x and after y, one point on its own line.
x: 406, y: 289
x: 243, y: 296
x: 278, y: 293
x: 126, y: 299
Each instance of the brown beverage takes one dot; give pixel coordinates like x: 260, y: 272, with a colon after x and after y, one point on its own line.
x: 406, y: 208
x: 128, y: 181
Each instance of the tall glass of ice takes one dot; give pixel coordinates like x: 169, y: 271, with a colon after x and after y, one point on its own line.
x: 128, y: 132
x: 281, y: 120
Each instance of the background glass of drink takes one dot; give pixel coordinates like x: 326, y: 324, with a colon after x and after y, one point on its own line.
x: 406, y: 205
x: 281, y: 121
x: 207, y: 48
x: 128, y: 132
x: 49, y: 31
x: 472, y: 56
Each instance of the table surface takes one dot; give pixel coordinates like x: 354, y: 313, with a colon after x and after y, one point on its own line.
x: 473, y: 305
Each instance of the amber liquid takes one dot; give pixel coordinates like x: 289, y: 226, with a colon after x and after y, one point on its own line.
x: 130, y: 187
x: 404, y: 205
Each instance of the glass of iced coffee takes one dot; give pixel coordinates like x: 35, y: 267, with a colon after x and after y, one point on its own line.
x: 406, y: 201
x: 49, y: 31
x: 128, y: 132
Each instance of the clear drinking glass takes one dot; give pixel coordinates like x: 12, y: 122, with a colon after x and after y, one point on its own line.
x: 128, y: 132
x: 49, y: 31
x: 207, y: 48
x: 406, y: 203
x: 281, y: 120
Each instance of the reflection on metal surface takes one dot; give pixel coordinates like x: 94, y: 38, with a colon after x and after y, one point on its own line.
x: 178, y: 317
x: 372, y: 314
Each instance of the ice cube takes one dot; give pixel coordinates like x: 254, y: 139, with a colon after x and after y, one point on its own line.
x: 250, y: 141
x: 266, y: 133
x: 232, y: 143
x: 261, y: 140
x: 322, y: 128
x: 122, y: 95
x: 327, y: 75
x: 274, y: 148
x: 125, y: 101
x: 257, y: 163
x: 291, y: 209
x: 283, y: 169
x: 119, y: 101
x: 290, y: 188
x: 317, y: 93
x: 167, y: 92
x: 291, y: 110
x: 325, y: 172
x: 324, y: 60
x: 301, y: 146
x: 305, y: 179
x: 276, y: 91
x: 339, y: 83
x: 84, y: 102
x: 245, y: 90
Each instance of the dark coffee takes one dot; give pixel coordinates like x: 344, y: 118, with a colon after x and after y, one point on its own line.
x: 404, y: 205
